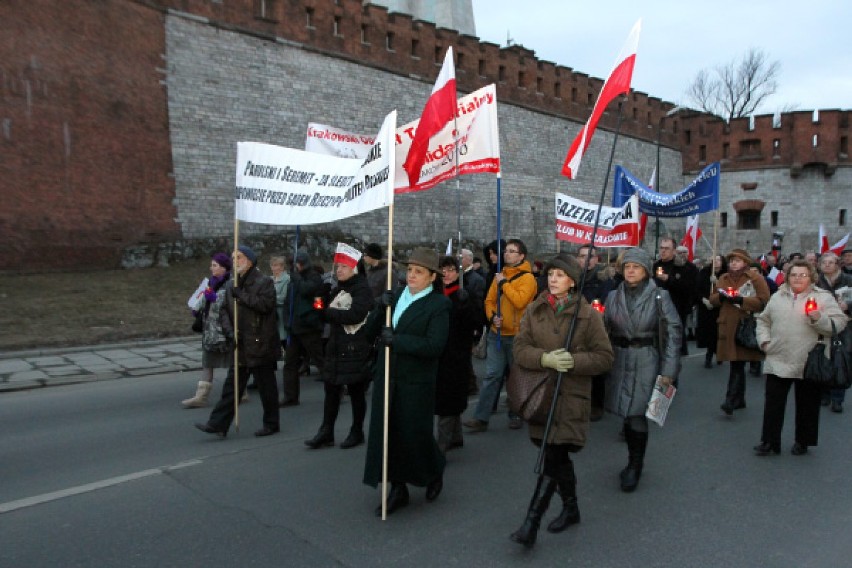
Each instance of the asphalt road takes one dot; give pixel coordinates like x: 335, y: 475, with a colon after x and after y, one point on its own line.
x: 113, y: 474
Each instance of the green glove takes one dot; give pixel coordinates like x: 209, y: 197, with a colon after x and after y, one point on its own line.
x: 559, y: 360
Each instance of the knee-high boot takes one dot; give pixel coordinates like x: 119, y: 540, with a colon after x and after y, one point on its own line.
x: 528, y: 532
x: 636, y: 444
x: 566, y: 485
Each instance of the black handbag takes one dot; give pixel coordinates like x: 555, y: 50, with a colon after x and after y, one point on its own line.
x: 832, y: 372
x: 746, y: 334
x: 530, y: 393
x: 198, y: 322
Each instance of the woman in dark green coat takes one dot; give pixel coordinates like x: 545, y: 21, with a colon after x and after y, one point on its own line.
x: 420, y: 325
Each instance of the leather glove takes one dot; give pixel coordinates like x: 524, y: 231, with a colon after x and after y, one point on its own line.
x: 724, y: 298
x: 558, y: 359
x: 737, y: 300
x: 463, y: 295
x: 386, y: 299
x: 237, y: 292
x: 707, y: 303
x: 210, y: 295
x: 386, y: 336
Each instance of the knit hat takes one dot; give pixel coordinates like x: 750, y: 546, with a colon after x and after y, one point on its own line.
x: 222, y: 260
x: 424, y: 257
x: 373, y: 250
x: 566, y: 263
x: 248, y: 253
x: 639, y: 256
x: 741, y: 254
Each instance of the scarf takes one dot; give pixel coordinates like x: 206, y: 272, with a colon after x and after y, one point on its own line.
x: 406, y: 299
x: 559, y: 304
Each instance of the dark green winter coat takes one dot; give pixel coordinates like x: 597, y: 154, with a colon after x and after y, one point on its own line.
x: 419, y: 339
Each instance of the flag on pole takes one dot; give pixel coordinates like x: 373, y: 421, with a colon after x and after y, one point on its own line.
x: 617, y: 83
x: 776, y: 275
x: 823, y: 240
x: 693, y: 233
x: 439, y: 110
x: 838, y: 247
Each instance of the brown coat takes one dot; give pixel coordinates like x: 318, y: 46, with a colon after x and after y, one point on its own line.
x: 543, y: 330
x: 730, y: 315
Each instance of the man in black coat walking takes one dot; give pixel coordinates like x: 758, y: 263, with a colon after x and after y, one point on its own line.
x: 676, y: 274
x: 258, y: 344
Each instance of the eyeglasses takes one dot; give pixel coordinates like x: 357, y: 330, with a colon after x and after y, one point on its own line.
x: 511, y: 251
x: 800, y: 276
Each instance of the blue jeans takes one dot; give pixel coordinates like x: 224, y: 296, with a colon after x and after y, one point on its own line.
x: 497, y: 362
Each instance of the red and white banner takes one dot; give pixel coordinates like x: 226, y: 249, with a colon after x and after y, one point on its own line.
x: 837, y: 248
x: 284, y: 186
x: 693, y: 233
x: 823, y: 239
x: 479, y: 143
x: 618, y: 226
x: 617, y: 83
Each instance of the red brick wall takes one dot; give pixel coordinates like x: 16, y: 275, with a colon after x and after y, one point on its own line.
x: 84, y: 143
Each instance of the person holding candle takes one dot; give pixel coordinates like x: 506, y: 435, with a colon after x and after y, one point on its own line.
x: 787, y: 330
x: 832, y: 279
x: 740, y: 293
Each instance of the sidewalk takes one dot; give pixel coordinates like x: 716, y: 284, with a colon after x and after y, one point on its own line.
x: 37, y: 368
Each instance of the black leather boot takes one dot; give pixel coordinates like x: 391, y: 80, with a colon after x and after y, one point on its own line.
x: 566, y: 484
x: 397, y: 498
x: 324, y: 438
x: 636, y: 444
x: 708, y: 360
x: 528, y: 532
x: 355, y: 438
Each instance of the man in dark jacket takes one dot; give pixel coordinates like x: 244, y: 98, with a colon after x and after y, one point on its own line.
x: 377, y: 271
x: 306, y: 328
x: 596, y: 286
x: 676, y: 274
x: 258, y: 344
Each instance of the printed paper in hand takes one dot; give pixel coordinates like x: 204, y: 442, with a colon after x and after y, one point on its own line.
x: 194, y: 301
x: 661, y: 399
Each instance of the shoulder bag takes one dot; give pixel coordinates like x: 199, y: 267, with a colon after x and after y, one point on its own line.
x: 746, y: 334
x: 530, y: 393
x: 831, y: 372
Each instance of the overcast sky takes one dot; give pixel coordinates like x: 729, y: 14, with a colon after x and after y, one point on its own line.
x: 812, y: 40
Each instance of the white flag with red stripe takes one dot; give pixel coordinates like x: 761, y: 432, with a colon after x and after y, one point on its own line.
x: 693, y: 233
x: 838, y: 247
x: 823, y: 239
x: 617, y: 83
x: 439, y: 110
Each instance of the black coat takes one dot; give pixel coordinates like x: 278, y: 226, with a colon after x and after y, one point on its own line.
x: 305, y: 286
x: 706, y: 327
x: 347, y: 355
x: 257, y: 330
x: 680, y: 285
x: 452, y: 384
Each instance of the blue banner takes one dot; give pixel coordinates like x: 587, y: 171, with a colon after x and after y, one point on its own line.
x: 700, y: 196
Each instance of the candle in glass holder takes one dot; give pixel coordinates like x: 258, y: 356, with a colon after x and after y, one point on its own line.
x: 660, y: 271
x: 597, y: 305
x: 318, y: 303
x: 810, y: 306
x: 731, y: 291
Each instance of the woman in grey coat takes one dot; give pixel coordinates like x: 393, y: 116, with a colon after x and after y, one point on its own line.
x: 639, y: 316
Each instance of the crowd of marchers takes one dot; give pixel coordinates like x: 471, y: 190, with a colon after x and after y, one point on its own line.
x: 422, y: 319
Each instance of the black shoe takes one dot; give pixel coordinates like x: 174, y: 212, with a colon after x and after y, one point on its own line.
x: 727, y: 408
x: 355, y: 438
x: 266, y: 431
x: 434, y: 489
x: 397, y: 498
x: 765, y: 449
x: 740, y: 405
x: 323, y: 439
x: 287, y: 402
x: 799, y: 449
x: 836, y: 406
x: 208, y: 429
x: 570, y: 515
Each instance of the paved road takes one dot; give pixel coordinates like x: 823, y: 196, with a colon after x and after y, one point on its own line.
x: 112, y: 473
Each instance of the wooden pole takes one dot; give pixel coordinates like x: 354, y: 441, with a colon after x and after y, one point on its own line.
x: 236, y: 334
x: 713, y: 258
x: 386, y: 415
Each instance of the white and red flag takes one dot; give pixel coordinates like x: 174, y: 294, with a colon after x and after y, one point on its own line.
x: 823, y: 239
x: 838, y: 247
x: 617, y: 83
x: 439, y: 110
x: 693, y: 233
x: 776, y: 275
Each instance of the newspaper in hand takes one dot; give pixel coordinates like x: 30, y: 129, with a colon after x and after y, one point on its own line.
x: 194, y: 301
x: 661, y: 399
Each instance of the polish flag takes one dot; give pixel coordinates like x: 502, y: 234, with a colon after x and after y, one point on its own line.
x: 693, y: 233
x: 823, y: 239
x: 439, y: 110
x: 838, y: 247
x: 617, y: 83
x: 776, y: 275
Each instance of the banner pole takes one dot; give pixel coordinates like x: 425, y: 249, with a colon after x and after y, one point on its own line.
x: 386, y: 415
x: 499, y: 255
x: 713, y: 259
x: 539, y: 465
x: 458, y: 198
x: 290, y: 289
x: 236, y: 334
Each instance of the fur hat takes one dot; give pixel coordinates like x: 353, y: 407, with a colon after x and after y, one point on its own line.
x: 566, y: 263
x: 741, y: 254
x: 424, y: 257
x: 373, y: 250
x: 638, y: 256
x: 222, y: 260
x: 248, y: 253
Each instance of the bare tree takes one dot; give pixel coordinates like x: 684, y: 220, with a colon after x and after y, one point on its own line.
x: 737, y: 89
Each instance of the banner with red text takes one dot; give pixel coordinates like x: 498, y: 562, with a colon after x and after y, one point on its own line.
x: 479, y: 143
x: 618, y: 226
x: 283, y: 186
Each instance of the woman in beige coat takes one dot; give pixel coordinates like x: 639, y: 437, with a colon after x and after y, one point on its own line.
x: 749, y: 294
x: 786, y: 331
x: 540, y: 344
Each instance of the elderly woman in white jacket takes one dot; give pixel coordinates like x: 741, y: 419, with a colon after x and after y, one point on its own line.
x: 786, y: 331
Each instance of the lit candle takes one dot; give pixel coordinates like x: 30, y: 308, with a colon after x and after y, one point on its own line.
x: 597, y: 305
x: 731, y: 291
x: 659, y: 271
x: 318, y: 303
x: 810, y: 306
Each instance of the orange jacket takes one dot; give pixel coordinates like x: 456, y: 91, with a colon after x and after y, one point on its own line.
x: 514, y: 297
